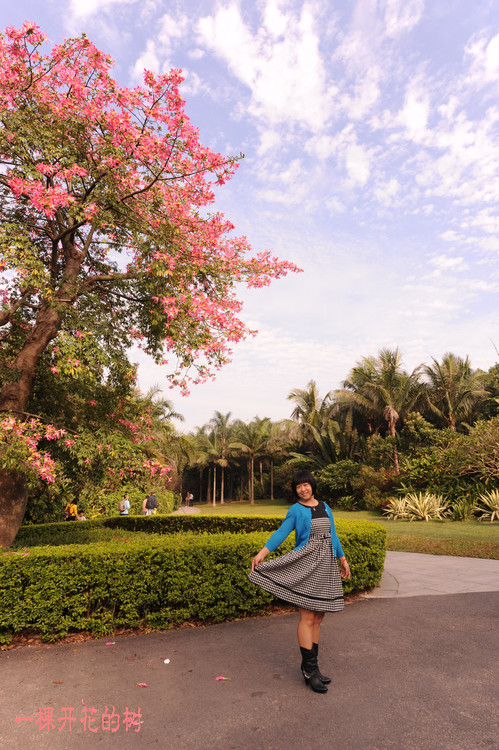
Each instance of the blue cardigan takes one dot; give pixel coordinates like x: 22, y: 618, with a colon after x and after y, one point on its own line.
x: 299, y: 519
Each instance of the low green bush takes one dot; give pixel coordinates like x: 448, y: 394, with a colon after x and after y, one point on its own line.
x: 155, y: 582
x: 76, y: 532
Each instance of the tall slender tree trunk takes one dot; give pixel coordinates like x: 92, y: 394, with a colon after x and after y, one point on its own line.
x: 200, y: 484
x: 393, y: 434
x: 214, y: 484
x: 252, y: 480
x: 222, y: 487
x: 271, y: 479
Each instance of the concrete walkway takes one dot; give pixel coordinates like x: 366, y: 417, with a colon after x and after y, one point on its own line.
x: 414, y: 574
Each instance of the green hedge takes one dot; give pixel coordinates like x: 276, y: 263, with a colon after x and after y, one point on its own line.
x: 76, y: 532
x: 155, y: 582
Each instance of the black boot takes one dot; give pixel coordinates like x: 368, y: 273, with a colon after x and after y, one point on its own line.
x: 310, y: 671
x: 324, y: 679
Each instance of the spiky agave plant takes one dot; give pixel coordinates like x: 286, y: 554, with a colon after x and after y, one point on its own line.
x: 396, y: 508
x: 488, y: 506
x: 425, y: 506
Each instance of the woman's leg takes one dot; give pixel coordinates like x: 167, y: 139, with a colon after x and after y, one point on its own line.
x: 309, y: 626
x: 308, y: 629
x: 319, y: 616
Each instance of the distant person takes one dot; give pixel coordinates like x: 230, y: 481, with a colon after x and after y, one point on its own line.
x: 310, y: 575
x: 151, y: 504
x: 189, y: 498
x: 70, y: 511
x: 81, y: 516
x: 124, y: 506
x: 144, y: 505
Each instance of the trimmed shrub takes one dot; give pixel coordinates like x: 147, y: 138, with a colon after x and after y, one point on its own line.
x: 156, y: 582
x: 77, y: 532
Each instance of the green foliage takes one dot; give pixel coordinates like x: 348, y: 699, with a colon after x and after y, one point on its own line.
x: 339, y: 479
x: 488, y: 506
x: 396, y: 508
x: 420, y: 506
x: 418, y: 433
x: 352, y: 486
x: 108, y: 502
x: 463, y: 509
x: 347, y: 502
x: 156, y: 582
x: 77, y: 533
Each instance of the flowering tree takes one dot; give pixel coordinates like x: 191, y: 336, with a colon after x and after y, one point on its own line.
x: 105, y: 237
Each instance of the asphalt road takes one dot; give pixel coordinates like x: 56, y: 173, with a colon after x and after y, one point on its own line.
x: 409, y: 673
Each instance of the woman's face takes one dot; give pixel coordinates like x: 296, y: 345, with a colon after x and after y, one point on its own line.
x: 304, y: 491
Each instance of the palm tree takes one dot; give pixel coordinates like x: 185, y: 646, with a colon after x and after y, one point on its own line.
x: 182, y: 452
x: 201, y: 459
x: 380, y: 389
x: 310, y: 408
x: 222, y: 445
x: 277, y: 445
x: 454, y: 389
x: 251, y: 439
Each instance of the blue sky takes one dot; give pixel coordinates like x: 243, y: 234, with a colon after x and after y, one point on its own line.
x: 371, y: 139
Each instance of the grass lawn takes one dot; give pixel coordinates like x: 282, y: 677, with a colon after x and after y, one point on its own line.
x: 461, y: 538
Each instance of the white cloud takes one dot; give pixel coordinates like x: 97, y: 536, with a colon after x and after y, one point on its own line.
x: 270, y: 140
x: 450, y: 236
x: 445, y: 263
x: 414, y: 114
x: 486, y: 221
x: 357, y: 163
x: 322, y: 146
x: 148, y: 60
x: 402, y: 15
x: 386, y: 192
x: 196, y: 54
x: 158, y: 51
x: 335, y: 206
x: 285, y: 74
x: 484, y: 56
x: 81, y: 9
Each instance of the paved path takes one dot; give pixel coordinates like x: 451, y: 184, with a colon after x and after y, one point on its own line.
x: 414, y: 574
x: 410, y: 672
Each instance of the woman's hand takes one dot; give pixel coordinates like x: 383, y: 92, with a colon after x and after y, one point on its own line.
x: 260, y: 557
x: 344, y: 568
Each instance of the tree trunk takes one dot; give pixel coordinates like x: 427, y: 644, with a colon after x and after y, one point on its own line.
x: 13, y: 501
x: 200, y: 484
x: 214, y: 484
x: 393, y: 434
x: 14, y: 395
x: 208, y: 488
x: 271, y: 480
x: 252, y: 481
x: 222, y: 487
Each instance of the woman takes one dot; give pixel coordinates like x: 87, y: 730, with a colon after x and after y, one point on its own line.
x: 71, y: 511
x: 307, y: 577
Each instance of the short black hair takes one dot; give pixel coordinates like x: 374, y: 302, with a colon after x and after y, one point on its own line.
x: 301, y: 477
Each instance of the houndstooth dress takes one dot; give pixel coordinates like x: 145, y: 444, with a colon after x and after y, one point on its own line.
x: 308, y: 577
